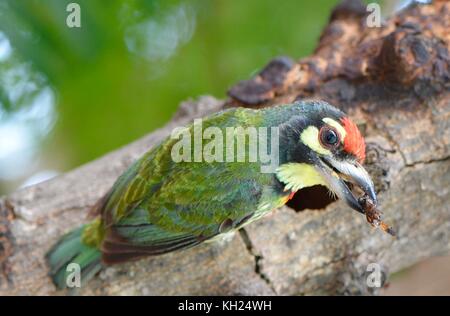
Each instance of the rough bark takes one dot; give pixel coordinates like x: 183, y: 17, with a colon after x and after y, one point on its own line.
x: 393, y: 80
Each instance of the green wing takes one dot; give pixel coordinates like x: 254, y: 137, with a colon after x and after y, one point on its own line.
x: 160, y: 205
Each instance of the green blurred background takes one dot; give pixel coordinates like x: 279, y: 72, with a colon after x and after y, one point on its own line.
x: 69, y: 95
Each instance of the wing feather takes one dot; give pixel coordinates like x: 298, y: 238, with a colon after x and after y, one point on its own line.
x: 159, y: 205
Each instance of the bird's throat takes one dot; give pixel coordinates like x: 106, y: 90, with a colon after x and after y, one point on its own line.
x: 296, y: 176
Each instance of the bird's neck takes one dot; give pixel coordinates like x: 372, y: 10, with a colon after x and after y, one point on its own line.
x: 296, y: 176
x: 296, y: 169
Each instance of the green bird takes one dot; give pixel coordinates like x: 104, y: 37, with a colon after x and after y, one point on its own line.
x: 186, y: 190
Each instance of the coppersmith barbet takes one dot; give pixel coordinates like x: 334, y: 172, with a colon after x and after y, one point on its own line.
x: 159, y: 205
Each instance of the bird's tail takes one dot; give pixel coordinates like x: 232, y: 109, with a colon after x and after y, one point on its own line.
x: 71, y: 255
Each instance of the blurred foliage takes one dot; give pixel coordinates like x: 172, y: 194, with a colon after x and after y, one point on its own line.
x: 124, y: 72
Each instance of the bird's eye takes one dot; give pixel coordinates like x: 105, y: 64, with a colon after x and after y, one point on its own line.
x: 329, y: 137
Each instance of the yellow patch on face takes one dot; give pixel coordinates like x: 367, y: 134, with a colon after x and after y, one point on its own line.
x: 310, y: 137
x: 296, y: 176
x: 337, y: 126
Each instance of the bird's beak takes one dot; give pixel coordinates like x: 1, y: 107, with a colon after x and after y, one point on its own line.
x: 336, y: 173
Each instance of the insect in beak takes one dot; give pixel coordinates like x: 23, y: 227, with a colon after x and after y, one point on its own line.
x: 339, y: 173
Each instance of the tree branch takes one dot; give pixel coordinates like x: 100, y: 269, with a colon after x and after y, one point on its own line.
x: 393, y: 80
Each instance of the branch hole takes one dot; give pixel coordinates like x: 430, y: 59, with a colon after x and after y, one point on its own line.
x: 313, y: 198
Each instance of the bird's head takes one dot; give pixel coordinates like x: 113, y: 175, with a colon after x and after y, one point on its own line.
x: 324, y: 147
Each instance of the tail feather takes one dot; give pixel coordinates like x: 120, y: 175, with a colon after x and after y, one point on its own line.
x: 71, y: 249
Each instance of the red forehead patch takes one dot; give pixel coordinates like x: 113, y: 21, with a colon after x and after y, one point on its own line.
x: 354, y: 142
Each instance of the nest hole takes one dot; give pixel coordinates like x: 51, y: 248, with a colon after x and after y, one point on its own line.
x: 313, y: 198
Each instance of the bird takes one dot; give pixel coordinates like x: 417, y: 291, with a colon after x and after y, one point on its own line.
x: 161, y: 204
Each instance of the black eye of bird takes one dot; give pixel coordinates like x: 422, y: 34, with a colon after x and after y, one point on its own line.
x: 329, y: 137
